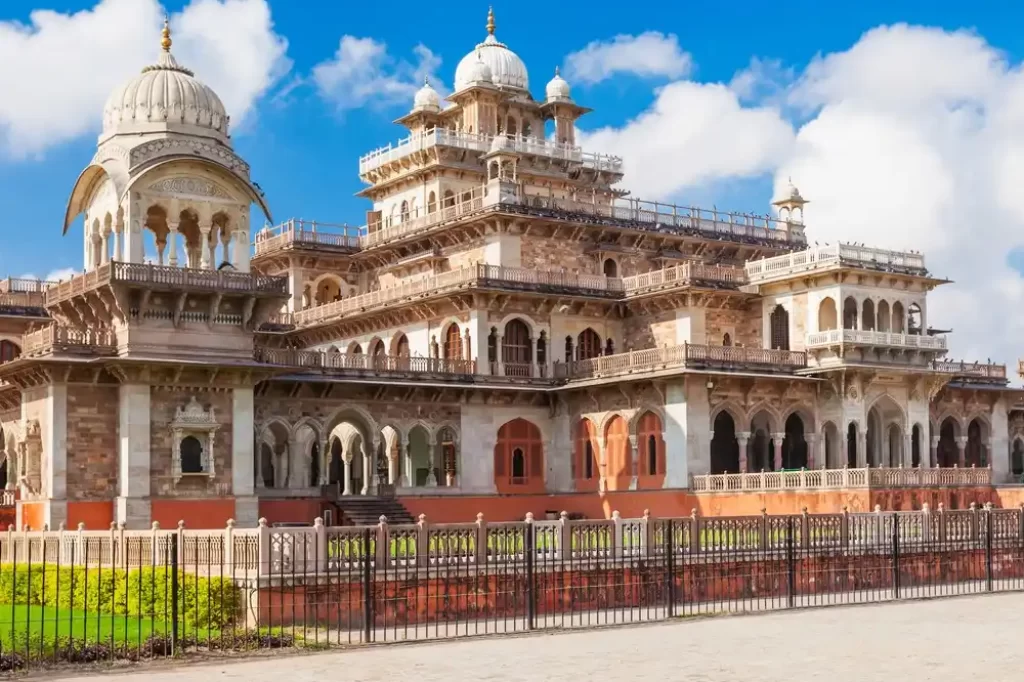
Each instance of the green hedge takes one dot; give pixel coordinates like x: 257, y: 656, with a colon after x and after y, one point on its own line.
x: 202, y: 602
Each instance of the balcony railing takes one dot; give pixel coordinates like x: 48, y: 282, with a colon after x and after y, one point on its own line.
x: 310, y: 234
x: 500, y: 275
x: 838, y: 337
x: 59, y: 339
x: 820, y: 479
x: 168, y: 276
x: 824, y: 257
x: 482, y: 143
x: 679, y: 357
x: 372, y: 364
x: 976, y: 370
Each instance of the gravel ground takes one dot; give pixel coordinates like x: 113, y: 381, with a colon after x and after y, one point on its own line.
x: 936, y: 640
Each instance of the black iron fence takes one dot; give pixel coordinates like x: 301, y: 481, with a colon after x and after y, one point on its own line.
x: 91, y: 596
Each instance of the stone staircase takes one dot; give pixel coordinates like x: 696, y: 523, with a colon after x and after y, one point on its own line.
x: 359, y: 510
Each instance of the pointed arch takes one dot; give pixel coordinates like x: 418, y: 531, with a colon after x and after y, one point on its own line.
x: 587, y: 455
x: 650, y: 442
x: 519, y: 458
x: 618, y: 454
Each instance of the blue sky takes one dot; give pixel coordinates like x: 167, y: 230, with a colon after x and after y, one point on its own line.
x: 815, y: 95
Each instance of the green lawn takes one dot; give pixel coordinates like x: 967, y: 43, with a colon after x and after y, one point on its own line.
x: 34, y: 624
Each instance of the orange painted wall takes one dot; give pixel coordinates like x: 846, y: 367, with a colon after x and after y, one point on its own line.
x: 195, y: 513
x: 33, y: 514
x: 96, y: 515
x: 282, y: 511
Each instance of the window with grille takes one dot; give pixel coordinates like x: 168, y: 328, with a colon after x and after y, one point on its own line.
x: 452, y: 343
x: 515, y: 346
x: 8, y: 351
x: 779, y: 324
x: 588, y: 345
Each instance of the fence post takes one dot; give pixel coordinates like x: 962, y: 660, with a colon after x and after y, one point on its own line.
x: 895, y: 556
x: 173, y: 544
x: 154, y: 544
x: 564, y: 537
x: 481, y: 540
x: 763, y: 539
x: 646, y: 534
x: 942, y: 523
x: 790, y: 564
x: 264, y: 566
x: 805, y: 529
x: 79, y: 543
x: 228, y: 557
x: 422, y: 542
x: 616, y: 535
x: 926, y: 523
x: 844, y: 529
x: 668, y: 526
x: 367, y: 588
x: 694, y: 532
x: 975, y: 530
x: 530, y: 553
x: 383, y: 546
x: 988, y: 546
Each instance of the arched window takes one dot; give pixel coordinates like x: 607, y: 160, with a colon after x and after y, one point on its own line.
x: 405, y: 211
x: 518, y: 465
x: 651, y: 443
x: 584, y: 461
x: 726, y: 339
x: 542, y: 349
x: 914, y: 325
x: 519, y: 458
x: 492, y: 346
x: 568, y: 349
x: 9, y: 351
x: 516, y: 351
x: 884, y: 317
x: 618, y: 460
x: 355, y: 349
x: 867, y: 319
x: 827, y: 315
x: 402, y: 346
x: 191, y: 452
x: 611, y: 268
x: 1017, y: 458
x: 452, y: 343
x: 898, y: 324
x: 850, y: 313
x: 915, y: 446
x: 779, y: 324
x: 851, y: 445
x: 431, y: 202
x: 609, y: 346
x: 588, y: 344
x: 588, y: 460
x: 449, y: 199
x: 511, y: 128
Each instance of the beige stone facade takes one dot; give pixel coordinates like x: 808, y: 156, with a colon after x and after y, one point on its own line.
x: 506, y: 322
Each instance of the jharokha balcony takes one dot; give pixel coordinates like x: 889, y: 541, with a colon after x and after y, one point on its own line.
x: 686, y: 356
x: 59, y: 340
x: 858, y: 337
x: 839, y: 479
x: 502, y: 277
x: 834, y: 256
x: 22, y: 296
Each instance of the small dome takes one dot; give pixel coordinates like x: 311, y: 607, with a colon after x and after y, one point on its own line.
x: 505, y: 66
x: 557, y: 89
x: 426, y: 99
x: 476, y: 72
x: 165, y: 97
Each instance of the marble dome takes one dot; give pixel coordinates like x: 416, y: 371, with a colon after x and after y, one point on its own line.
x: 507, y: 69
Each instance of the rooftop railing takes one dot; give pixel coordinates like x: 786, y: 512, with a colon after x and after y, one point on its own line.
x: 311, y: 234
x: 822, y: 479
x: 828, y: 256
x: 145, y: 274
x: 976, y: 370
x: 23, y: 285
x: 483, y: 143
x: 835, y: 337
x: 364, y: 364
x: 60, y: 339
x: 482, y: 274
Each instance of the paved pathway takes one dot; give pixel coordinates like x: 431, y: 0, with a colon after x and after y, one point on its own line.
x: 929, y: 641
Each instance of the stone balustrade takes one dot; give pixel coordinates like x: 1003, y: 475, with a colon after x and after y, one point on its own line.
x: 361, y: 363
x: 830, y: 256
x: 56, y: 339
x: 977, y: 370
x: 680, y: 357
x: 18, y: 292
x: 822, y: 479
x: 308, y: 234
x: 840, y: 337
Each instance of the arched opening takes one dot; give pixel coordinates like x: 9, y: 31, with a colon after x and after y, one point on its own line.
x: 897, y: 318
x: 832, y: 445
x: 725, y: 449
x: 588, y: 344
x: 585, y: 465
x: 431, y: 202
x: 400, y: 346
x: 726, y: 339
x: 779, y: 327
x: 519, y: 441
x: 453, y: 342
x: 794, y: 444
x: 618, y: 459
x: 418, y: 454
x: 510, y: 127
x: 449, y: 199
x: 761, y: 446
x: 867, y: 319
x: 609, y: 346
x: 947, y: 453
x: 851, y: 445
x: 335, y: 468
x: 191, y: 455
x: 568, y: 348
x: 976, y: 450
x: 651, y: 441
x: 267, y: 465
x: 355, y: 349
x: 328, y: 290
x: 915, y: 446
x: 894, y: 456
x: 9, y: 351
x: 850, y: 313
x: 1017, y: 459
x: 516, y: 351
x: 828, y: 318
x: 884, y: 316
x: 611, y: 268
x: 914, y: 321
x: 873, y: 442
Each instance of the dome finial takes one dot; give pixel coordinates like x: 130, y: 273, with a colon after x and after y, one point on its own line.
x: 556, y: 72
x: 166, y: 41
x: 490, y: 21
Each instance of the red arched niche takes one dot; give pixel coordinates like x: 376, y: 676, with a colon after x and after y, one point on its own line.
x: 650, y: 443
x: 519, y: 458
x: 586, y: 466
x: 618, y: 458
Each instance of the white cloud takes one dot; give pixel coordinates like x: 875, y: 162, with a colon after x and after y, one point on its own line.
x: 61, y: 275
x: 694, y: 134
x: 648, y: 54
x: 363, y: 72
x: 57, y: 71
x: 911, y: 139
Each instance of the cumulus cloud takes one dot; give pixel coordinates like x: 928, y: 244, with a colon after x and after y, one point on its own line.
x: 911, y: 139
x: 57, y: 70
x: 649, y: 54
x: 362, y: 72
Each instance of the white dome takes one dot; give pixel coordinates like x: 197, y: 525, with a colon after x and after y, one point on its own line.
x: 165, y: 97
x: 557, y: 89
x: 507, y: 69
x: 426, y: 99
x: 475, y: 72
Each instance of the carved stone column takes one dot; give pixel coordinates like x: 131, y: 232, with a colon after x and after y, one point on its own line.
x: 204, y: 245
x: 431, y: 476
x: 961, y: 446
x: 118, y: 239
x: 392, y: 467
x: 777, y: 439
x: 172, y: 241
x: 742, y: 438
x: 933, y: 458
x: 368, y: 469
x: 407, y: 479
x: 813, y: 442
x: 862, y: 450
x: 346, y: 459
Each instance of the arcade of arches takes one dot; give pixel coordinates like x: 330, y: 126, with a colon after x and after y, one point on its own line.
x: 616, y: 459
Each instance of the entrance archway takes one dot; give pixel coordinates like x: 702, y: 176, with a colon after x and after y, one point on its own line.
x: 725, y: 449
